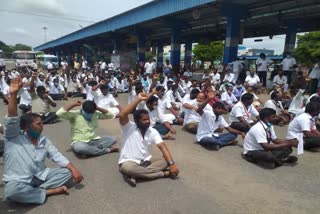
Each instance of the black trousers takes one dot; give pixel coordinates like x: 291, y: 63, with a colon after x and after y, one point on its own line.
x: 262, y: 156
x: 57, y: 96
x: 288, y: 74
x: 263, y: 77
x: 311, y: 142
x: 240, y: 126
x: 49, y: 118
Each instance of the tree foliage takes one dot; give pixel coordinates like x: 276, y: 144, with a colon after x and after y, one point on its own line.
x: 210, y: 52
x: 308, y: 49
x: 10, y: 48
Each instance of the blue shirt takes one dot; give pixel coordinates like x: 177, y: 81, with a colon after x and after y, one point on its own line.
x: 238, y: 91
x: 22, y: 159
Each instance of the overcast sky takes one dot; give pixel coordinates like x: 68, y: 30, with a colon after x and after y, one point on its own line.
x: 22, y: 21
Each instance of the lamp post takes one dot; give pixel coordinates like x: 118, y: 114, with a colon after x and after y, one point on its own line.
x: 45, y: 33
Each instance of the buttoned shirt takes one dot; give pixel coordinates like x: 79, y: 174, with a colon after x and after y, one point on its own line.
x: 23, y: 160
x: 81, y: 129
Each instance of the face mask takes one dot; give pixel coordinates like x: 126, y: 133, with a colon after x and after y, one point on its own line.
x: 34, y: 134
x: 269, y: 124
x: 56, y: 84
x: 87, y: 116
x: 239, y: 86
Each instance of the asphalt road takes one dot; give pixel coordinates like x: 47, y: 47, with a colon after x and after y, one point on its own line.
x: 210, y: 181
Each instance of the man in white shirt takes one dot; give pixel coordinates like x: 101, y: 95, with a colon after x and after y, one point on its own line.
x: 191, y: 116
x: 188, y: 72
x: 241, y: 113
x: 228, y: 98
x: 136, y: 160
x: 49, y: 66
x: 149, y: 67
x: 281, y: 81
x: 102, y: 67
x: 84, y: 64
x: 252, y: 80
x: 165, y: 104
x: 283, y: 117
x: 288, y: 65
x: 211, y: 120
x: 261, y: 145
x: 151, y: 105
x: 215, y: 79
x: 104, y: 99
x: 262, y: 68
x: 56, y: 90
x: 236, y: 69
x: 64, y: 64
x: 304, y: 125
x: 314, y: 78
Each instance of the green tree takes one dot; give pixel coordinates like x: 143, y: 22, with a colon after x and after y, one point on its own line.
x: 211, y: 52
x: 308, y: 49
x: 21, y: 47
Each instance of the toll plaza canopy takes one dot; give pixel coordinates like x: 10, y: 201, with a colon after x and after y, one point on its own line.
x: 176, y: 22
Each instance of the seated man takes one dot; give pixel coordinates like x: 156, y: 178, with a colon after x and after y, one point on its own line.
x: 137, y: 137
x: 211, y: 120
x: 85, y: 141
x: 240, y: 115
x: 262, y: 146
x: 252, y: 80
x: 304, y: 125
x: 165, y: 104
x: 283, y: 117
x: 104, y: 99
x: 281, y: 81
x: 42, y: 103
x: 191, y: 116
x: 26, y: 177
x: 151, y: 105
x: 228, y: 98
x: 56, y: 90
x: 238, y: 89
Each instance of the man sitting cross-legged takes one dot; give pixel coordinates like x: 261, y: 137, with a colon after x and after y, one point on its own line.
x: 84, y: 122
x: 261, y: 145
x: 211, y: 120
x: 137, y: 138
x: 26, y: 177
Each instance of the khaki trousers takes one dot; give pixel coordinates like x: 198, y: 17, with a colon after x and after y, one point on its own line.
x: 153, y: 171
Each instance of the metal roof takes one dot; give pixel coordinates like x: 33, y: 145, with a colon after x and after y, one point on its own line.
x: 158, y: 18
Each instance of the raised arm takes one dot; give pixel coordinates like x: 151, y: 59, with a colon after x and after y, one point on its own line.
x: 15, y: 86
x: 70, y: 106
x: 32, y: 82
x: 123, y: 116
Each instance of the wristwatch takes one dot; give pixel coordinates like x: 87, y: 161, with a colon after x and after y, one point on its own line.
x: 171, y: 162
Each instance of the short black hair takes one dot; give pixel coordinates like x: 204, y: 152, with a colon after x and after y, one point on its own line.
x: 160, y: 88
x: 315, y: 99
x: 218, y: 105
x: 266, y: 112
x: 27, y: 119
x: 151, y: 100
x: 246, y: 96
x: 138, y: 113
x: 104, y: 87
x: 312, y: 107
x: 274, y: 94
x: 138, y: 89
x: 40, y: 89
x: 89, y: 106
